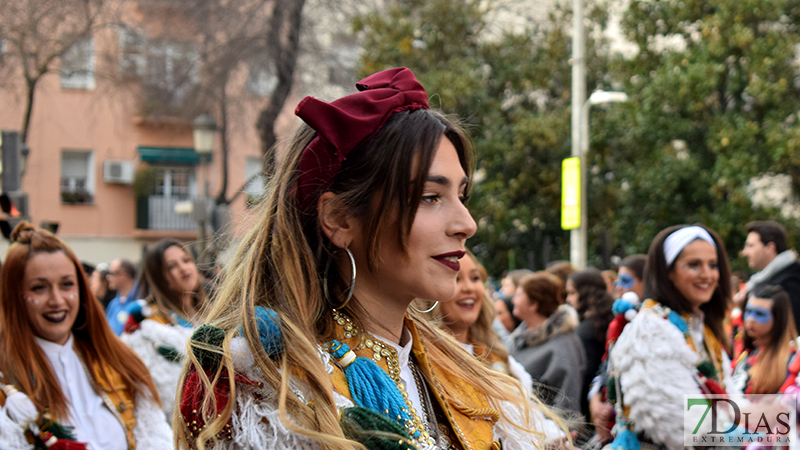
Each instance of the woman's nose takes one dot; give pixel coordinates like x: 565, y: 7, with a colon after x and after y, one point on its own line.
x: 462, y: 223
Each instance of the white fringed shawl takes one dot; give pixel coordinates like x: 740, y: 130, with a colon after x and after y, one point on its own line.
x: 165, y: 373
x: 657, y: 368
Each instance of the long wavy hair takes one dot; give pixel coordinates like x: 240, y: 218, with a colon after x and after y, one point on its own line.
x: 594, y: 301
x: 766, y: 374
x: 155, y: 286
x: 23, y: 363
x: 660, y: 288
x: 481, y: 332
x: 280, y: 265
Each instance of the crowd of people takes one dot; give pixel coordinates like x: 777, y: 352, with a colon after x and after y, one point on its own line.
x: 353, y: 316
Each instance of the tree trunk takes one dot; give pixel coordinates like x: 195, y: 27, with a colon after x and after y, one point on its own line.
x: 223, y: 134
x: 26, y: 119
x: 285, y: 33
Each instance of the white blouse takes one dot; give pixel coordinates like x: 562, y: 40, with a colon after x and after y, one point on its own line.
x: 94, y: 424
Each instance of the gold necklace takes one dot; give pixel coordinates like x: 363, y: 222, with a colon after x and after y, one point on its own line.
x: 381, y: 350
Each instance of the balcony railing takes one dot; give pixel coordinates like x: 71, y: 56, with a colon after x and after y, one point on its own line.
x: 158, y: 213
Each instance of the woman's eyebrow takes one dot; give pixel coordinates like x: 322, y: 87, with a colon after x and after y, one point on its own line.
x: 444, y: 181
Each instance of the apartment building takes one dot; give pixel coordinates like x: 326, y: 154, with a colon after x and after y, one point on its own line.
x: 112, y: 157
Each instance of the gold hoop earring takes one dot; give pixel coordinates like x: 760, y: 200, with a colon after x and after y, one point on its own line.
x: 352, y: 280
x: 425, y: 311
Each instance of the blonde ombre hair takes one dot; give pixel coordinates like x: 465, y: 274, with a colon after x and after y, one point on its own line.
x: 280, y: 265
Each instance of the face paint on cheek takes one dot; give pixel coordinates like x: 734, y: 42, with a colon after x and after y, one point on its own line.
x: 32, y: 300
x: 692, y: 270
x: 72, y: 296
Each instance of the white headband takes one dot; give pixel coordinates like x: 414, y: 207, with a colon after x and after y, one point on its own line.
x: 677, y: 241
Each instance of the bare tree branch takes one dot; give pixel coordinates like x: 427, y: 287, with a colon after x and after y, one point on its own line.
x: 285, y: 36
x: 39, y: 32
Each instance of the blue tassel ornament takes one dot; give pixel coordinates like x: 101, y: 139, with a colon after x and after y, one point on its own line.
x: 625, y: 440
x: 370, y: 386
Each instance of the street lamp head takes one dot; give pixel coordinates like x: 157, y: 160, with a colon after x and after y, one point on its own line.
x: 204, y: 128
x: 599, y: 97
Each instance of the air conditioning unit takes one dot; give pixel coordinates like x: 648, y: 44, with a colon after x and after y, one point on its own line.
x: 119, y: 172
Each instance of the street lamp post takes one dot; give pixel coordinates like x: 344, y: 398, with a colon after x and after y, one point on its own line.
x: 203, y: 130
x: 578, y: 258
x: 578, y: 94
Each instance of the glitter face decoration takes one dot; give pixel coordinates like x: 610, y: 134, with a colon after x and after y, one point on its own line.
x: 50, y: 286
x: 693, y: 269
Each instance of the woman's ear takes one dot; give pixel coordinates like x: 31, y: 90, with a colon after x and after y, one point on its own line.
x: 336, y: 223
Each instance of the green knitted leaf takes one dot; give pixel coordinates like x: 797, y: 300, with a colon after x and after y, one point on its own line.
x: 611, y: 386
x: 58, y: 430
x: 375, y: 431
x: 211, y: 337
x: 169, y: 353
x: 707, y: 369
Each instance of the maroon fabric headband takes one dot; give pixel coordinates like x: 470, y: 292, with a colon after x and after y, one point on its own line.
x: 344, y: 123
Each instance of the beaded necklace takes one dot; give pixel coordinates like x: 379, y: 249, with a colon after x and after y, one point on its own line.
x: 417, y: 426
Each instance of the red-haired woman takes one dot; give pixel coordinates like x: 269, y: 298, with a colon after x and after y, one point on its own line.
x: 61, y: 363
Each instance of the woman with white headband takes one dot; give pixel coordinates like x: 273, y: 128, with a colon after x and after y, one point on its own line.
x: 676, y: 344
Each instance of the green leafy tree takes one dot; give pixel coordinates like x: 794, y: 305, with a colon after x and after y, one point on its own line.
x: 714, y: 93
x: 512, y: 91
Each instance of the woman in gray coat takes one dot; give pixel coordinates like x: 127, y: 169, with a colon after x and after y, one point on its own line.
x: 546, y: 343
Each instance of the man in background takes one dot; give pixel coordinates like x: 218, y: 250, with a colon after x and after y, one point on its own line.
x: 121, y: 278
x: 767, y: 253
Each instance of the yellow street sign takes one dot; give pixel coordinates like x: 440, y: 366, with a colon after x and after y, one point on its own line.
x: 571, y: 193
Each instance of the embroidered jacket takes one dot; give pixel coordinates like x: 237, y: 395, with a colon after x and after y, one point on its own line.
x: 256, y: 421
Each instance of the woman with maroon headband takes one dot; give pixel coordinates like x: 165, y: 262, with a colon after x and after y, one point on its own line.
x: 314, y: 340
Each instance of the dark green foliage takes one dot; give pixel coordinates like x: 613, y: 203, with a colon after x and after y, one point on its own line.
x: 58, y: 431
x: 512, y: 92
x: 702, y: 120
